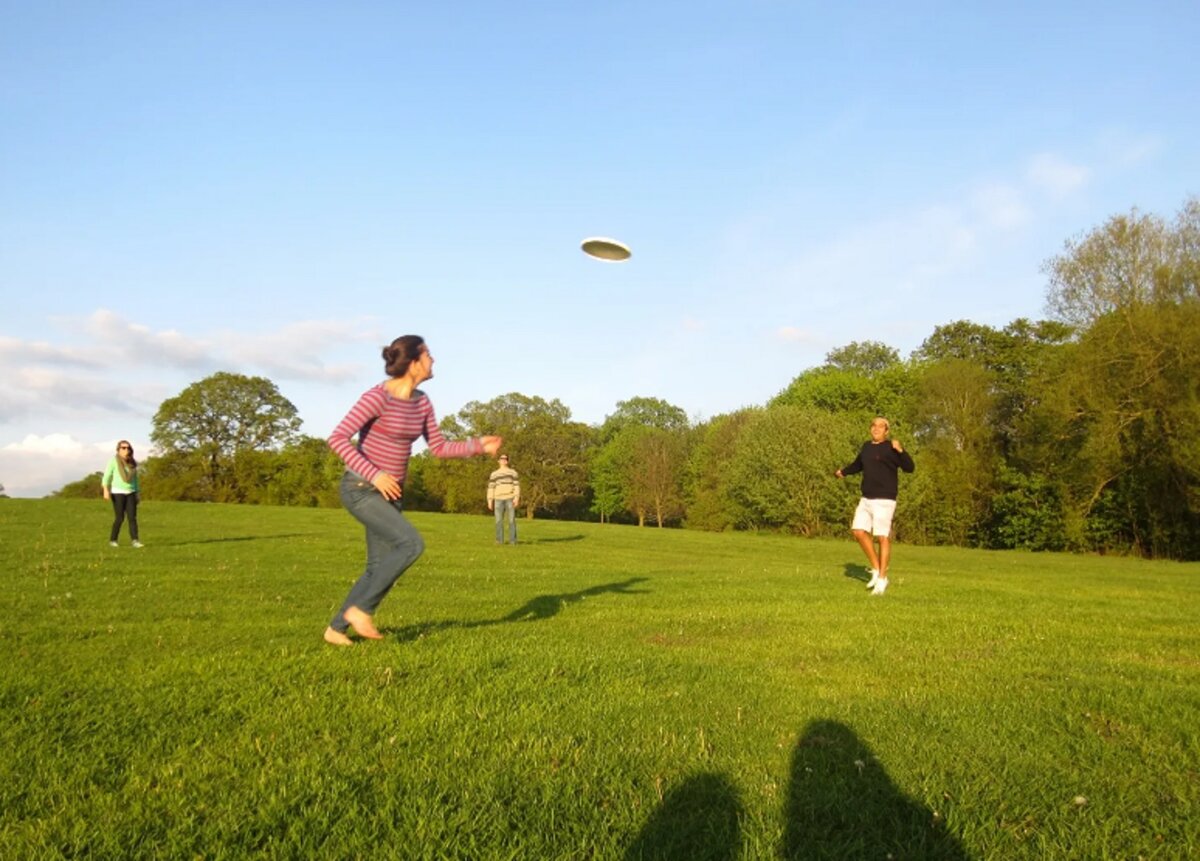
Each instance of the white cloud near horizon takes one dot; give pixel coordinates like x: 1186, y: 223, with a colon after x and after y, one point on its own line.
x: 109, y: 371
x: 294, y: 351
x: 37, y: 465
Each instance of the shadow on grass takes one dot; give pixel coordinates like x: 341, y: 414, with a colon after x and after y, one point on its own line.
x: 552, y: 540
x: 841, y: 803
x: 541, y: 607
x: 857, y: 572
x: 696, y: 821
x: 236, y: 538
x: 545, y: 606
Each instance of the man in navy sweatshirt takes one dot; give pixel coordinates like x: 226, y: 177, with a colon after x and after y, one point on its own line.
x: 879, y: 461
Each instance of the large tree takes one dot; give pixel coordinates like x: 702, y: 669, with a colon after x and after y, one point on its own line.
x: 781, y: 473
x: 639, y: 466
x: 643, y: 412
x: 707, y: 482
x: 1130, y: 262
x: 548, y: 450
x: 1120, y: 411
x: 203, y: 428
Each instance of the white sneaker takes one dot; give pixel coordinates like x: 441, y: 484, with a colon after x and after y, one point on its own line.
x: 113, y: 544
x: 880, y: 586
x: 138, y: 544
x: 874, y: 578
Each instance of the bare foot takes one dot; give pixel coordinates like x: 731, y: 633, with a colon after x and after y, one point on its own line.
x: 337, y: 638
x: 362, y: 624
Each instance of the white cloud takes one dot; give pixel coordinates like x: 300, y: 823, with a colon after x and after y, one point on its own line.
x: 1122, y: 151
x: 297, y: 350
x: 53, y: 445
x: 128, y: 341
x: 797, y: 335
x: 38, y: 465
x: 1055, y: 175
x: 1001, y: 206
x: 109, y: 373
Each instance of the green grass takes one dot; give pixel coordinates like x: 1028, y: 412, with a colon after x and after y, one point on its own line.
x: 597, y: 692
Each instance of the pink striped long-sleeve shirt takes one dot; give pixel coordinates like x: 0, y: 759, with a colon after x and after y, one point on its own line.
x: 387, y: 427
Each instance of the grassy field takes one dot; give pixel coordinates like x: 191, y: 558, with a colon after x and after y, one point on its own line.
x: 596, y: 692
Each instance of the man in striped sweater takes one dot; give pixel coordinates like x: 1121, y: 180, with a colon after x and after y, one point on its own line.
x: 503, y: 497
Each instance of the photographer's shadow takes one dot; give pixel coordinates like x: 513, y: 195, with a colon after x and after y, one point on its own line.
x: 698, y: 820
x: 840, y: 803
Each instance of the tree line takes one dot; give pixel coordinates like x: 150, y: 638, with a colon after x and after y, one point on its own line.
x: 1076, y: 432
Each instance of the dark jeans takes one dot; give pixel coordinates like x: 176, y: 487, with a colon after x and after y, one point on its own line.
x: 392, y: 545
x: 124, y: 505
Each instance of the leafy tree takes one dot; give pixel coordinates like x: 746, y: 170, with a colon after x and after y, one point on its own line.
x: 306, y: 473
x: 215, y: 419
x: 1120, y: 411
x: 1129, y: 262
x: 1026, y: 513
x: 1121, y: 416
x: 548, y: 450
x: 643, y: 412
x: 781, y: 474
x: 706, y: 484
x: 613, y: 474
x: 85, y: 488
x: 837, y: 390
x: 605, y: 472
x: 955, y: 415
x: 867, y: 358
x: 655, y: 480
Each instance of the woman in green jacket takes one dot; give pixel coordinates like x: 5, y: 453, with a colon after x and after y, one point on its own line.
x: 120, y: 484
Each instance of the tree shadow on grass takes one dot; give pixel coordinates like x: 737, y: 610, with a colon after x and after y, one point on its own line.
x: 857, y: 572
x: 841, y: 804
x: 697, y: 821
x: 541, y: 607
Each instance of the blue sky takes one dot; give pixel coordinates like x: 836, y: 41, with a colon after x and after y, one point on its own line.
x: 280, y: 188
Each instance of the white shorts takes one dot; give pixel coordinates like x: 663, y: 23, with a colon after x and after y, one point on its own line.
x: 874, y: 516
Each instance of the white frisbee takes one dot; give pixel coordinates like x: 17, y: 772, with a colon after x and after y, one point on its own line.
x: 603, y: 248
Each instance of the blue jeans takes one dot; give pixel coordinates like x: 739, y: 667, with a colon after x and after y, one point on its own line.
x: 505, y: 511
x: 392, y: 545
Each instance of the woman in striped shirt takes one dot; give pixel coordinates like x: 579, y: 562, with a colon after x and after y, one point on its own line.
x: 387, y: 419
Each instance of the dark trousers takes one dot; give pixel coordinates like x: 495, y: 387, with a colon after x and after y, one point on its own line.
x: 124, y: 505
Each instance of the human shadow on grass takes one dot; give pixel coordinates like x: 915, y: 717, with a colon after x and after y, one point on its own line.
x: 237, y: 538
x: 541, y: 607
x: 857, y: 572
x: 840, y: 803
x: 552, y: 540
x: 697, y: 821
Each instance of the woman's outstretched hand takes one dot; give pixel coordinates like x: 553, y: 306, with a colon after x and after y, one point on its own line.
x: 491, y: 444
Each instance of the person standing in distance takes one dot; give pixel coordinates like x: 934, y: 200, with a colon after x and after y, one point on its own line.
x: 879, y: 461
x: 121, y: 486
x: 503, y: 497
x: 387, y: 420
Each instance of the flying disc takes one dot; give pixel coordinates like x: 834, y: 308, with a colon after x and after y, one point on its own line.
x: 603, y: 248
